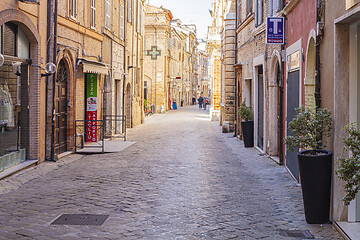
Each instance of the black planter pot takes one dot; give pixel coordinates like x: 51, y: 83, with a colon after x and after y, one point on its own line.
x: 247, y: 128
x: 315, y: 178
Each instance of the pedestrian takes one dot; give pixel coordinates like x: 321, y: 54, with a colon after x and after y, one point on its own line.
x: 205, y: 102
x: 200, y: 101
x: 193, y: 100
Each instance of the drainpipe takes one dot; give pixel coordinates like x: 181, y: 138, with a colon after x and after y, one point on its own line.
x: 132, y: 61
x: 124, y: 65
x: 281, y: 102
x: 155, y: 64
x: 236, y: 71
x: 53, y: 89
x: 317, y: 55
x: 49, y: 54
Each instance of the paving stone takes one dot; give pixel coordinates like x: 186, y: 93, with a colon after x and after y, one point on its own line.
x: 183, y: 179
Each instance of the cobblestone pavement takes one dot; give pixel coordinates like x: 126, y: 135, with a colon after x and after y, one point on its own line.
x: 183, y: 179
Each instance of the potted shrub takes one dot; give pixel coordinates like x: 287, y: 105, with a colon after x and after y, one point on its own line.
x: 349, y: 167
x: 315, y: 164
x: 247, y: 124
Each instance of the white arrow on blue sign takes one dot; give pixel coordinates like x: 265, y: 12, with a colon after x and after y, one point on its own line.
x: 275, y: 30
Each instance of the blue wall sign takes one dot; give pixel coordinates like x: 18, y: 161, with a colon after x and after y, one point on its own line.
x: 275, y: 30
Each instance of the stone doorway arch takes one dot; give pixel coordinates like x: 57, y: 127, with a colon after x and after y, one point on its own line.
x: 310, y: 72
x: 61, y: 107
x: 274, y: 105
x: 30, y: 99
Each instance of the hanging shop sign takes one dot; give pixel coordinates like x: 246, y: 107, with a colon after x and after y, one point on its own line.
x: 91, y: 107
x: 275, y: 30
x: 154, y: 52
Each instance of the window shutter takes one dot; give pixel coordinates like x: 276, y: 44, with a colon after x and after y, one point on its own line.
x: 129, y: 7
x: 122, y: 22
x: 260, y: 11
x: 93, y: 13
x: 256, y: 13
x: 107, y: 13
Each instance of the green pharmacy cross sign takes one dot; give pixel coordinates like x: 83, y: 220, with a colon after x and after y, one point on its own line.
x: 154, y: 52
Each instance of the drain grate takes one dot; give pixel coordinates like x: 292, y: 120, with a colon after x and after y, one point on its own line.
x: 80, y: 219
x: 296, y: 234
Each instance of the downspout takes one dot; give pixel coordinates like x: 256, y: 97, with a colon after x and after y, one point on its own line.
x: 236, y: 71
x: 124, y: 65
x: 317, y: 56
x: 155, y: 80
x: 281, y: 101
x: 53, y: 90
x: 132, y: 62
x: 49, y: 54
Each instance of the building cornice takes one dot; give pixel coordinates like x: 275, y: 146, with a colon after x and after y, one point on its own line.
x: 259, y: 29
x: 246, y: 22
x: 289, y: 7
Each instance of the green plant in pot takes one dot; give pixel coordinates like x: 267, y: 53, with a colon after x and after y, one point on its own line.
x: 308, y: 130
x: 349, y: 167
x: 247, y: 124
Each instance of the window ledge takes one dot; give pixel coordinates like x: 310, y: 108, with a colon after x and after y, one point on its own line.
x: 259, y: 29
x: 246, y: 22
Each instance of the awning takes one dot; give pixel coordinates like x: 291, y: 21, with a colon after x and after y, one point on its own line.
x: 94, y: 67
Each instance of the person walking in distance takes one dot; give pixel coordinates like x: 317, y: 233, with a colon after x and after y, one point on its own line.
x: 193, y: 100
x: 200, y: 101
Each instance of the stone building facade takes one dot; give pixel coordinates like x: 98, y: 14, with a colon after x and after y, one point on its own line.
x: 339, y: 56
x: 22, y: 91
x: 156, y: 60
x: 228, y: 97
x: 97, y: 50
x: 134, y: 58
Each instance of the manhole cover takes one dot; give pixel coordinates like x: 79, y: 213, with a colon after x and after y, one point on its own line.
x: 296, y: 234
x: 80, y: 219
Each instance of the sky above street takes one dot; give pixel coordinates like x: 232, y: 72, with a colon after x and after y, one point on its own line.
x: 189, y: 12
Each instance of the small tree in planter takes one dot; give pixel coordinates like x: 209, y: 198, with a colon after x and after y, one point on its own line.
x: 349, y: 167
x: 247, y: 125
x: 308, y: 129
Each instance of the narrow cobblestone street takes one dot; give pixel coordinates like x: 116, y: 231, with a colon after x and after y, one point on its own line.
x: 182, y: 179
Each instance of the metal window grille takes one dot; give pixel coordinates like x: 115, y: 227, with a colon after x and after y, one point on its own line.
x: 93, y: 13
x: 107, y: 13
x: 122, y: 22
x: 72, y: 9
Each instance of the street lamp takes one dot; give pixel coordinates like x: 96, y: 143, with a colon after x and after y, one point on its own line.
x: 2, y: 59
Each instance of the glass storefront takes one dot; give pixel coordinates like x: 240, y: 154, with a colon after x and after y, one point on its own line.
x: 15, y: 46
